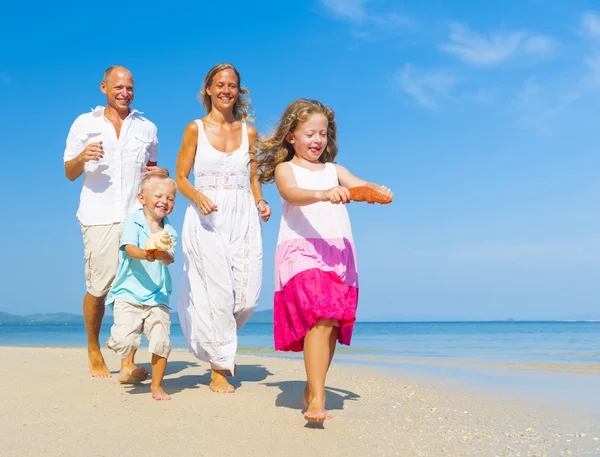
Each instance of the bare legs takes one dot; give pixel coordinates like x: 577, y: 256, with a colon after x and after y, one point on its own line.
x: 131, y: 373
x: 219, y: 383
x: 319, y: 347
x: 159, y: 365
x: 93, y: 312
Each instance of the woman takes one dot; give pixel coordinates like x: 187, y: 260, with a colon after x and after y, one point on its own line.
x: 221, y: 236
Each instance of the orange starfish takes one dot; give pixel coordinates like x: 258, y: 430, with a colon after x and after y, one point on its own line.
x: 369, y: 195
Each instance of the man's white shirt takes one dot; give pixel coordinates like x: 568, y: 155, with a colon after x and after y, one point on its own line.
x: 111, y: 185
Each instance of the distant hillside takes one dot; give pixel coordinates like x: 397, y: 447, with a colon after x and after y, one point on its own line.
x: 264, y: 316
x: 37, y: 319
x: 77, y: 319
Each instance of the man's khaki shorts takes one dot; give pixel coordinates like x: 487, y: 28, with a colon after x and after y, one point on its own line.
x: 131, y: 319
x: 101, y: 248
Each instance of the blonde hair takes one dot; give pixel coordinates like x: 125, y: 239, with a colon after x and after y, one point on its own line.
x: 152, y: 178
x: 242, y: 108
x: 275, y: 149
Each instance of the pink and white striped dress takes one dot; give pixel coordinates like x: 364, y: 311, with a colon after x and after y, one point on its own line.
x: 315, y: 265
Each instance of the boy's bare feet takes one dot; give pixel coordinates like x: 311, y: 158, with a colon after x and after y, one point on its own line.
x: 158, y: 393
x: 131, y: 373
x: 97, y: 366
x: 219, y: 383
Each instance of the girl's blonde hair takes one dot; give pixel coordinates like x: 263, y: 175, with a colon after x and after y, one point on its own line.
x: 275, y: 149
x: 242, y: 108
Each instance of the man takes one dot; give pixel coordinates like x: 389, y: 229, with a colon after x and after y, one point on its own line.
x: 113, y: 147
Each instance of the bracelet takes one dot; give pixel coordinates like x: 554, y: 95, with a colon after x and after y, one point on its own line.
x: 261, y: 200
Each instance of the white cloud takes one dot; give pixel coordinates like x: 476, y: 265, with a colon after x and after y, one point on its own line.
x: 590, y: 23
x: 426, y: 87
x: 591, y: 80
x: 539, y: 45
x: 478, y: 49
x: 348, y: 9
x: 538, y: 107
x: 374, y: 25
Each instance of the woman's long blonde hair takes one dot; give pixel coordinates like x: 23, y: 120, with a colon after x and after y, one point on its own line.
x: 242, y: 108
x: 275, y: 149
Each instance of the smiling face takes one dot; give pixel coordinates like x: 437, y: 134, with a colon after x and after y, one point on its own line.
x: 310, y: 138
x: 223, y: 90
x: 118, y: 88
x: 158, y: 198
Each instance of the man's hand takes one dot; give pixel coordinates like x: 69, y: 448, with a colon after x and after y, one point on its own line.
x: 92, y: 151
x: 155, y: 169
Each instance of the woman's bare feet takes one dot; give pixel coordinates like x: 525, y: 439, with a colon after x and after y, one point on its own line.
x: 131, y: 373
x: 158, y: 393
x: 219, y: 383
x: 97, y: 366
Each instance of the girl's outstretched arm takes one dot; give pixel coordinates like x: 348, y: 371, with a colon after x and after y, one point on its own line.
x: 290, y: 192
x: 185, y: 161
x: 349, y: 181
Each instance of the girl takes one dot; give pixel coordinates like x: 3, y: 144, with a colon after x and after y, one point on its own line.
x: 221, y: 236
x: 316, y: 283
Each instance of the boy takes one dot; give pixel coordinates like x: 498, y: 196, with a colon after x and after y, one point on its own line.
x: 140, y: 293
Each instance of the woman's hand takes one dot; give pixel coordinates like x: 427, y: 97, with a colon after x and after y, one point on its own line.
x: 336, y: 195
x: 264, y: 210
x: 204, y: 204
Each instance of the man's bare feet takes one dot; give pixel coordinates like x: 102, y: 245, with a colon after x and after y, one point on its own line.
x: 97, y: 366
x: 219, y: 383
x: 158, y: 393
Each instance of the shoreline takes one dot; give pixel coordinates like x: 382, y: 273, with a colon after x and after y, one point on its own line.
x: 50, y: 395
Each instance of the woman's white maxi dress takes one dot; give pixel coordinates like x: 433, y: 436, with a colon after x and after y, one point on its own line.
x: 222, y: 253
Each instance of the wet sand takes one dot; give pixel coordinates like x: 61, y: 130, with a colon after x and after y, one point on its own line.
x: 51, y: 406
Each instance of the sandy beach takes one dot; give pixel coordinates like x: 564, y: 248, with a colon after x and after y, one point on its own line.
x: 51, y: 406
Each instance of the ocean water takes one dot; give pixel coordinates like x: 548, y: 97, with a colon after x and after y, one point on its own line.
x: 571, y: 343
x: 528, y: 362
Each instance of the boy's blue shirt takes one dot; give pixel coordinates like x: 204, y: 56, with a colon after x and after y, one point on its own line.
x: 140, y: 281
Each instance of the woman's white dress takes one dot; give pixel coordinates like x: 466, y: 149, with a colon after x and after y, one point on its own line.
x: 222, y: 253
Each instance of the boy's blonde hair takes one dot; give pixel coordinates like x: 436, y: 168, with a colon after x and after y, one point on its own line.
x: 242, y: 107
x: 275, y: 149
x: 152, y: 178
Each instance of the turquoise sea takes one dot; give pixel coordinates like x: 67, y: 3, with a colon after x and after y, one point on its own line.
x: 555, y: 363
x: 544, y: 342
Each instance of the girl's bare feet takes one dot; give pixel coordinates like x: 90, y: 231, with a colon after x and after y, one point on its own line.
x: 158, y: 393
x: 315, y: 410
x: 219, y: 383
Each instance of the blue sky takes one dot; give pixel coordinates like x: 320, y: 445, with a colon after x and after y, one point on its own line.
x: 483, y: 119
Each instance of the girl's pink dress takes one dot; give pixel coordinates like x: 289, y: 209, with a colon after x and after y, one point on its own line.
x: 315, y: 265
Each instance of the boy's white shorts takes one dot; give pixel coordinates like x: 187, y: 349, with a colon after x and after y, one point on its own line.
x: 130, y: 319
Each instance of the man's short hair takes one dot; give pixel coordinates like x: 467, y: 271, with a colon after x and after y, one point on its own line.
x: 109, y: 71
